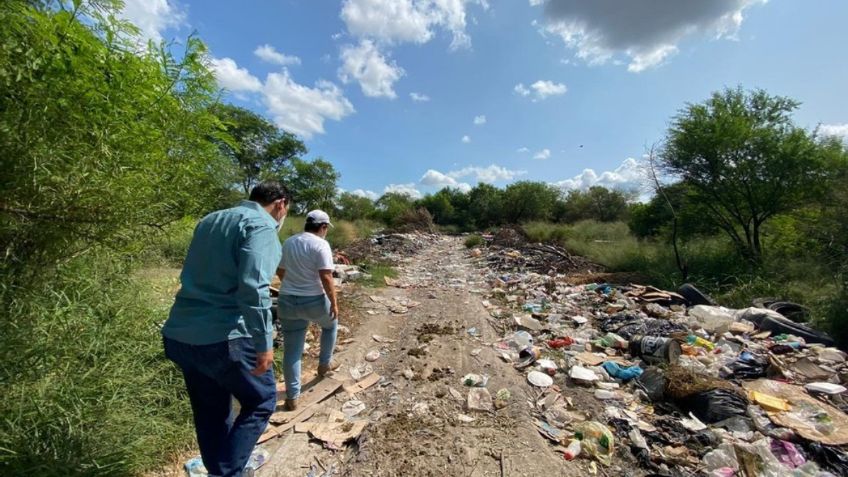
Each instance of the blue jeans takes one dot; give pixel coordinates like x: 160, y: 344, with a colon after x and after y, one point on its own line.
x: 213, y: 375
x: 295, y: 313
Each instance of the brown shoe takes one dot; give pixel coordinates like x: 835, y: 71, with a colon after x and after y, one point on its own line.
x: 323, y: 369
x: 291, y: 404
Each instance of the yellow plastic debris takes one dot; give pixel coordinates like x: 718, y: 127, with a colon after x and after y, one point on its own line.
x: 769, y: 402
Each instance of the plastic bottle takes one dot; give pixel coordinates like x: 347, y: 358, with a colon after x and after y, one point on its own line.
x: 698, y: 341
x: 573, y: 449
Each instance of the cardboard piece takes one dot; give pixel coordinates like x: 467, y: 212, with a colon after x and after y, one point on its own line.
x: 272, y: 432
x: 804, y: 406
x: 362, y: 384
x: 591, y: 358
x: 335, y: 434
x: 315, y: 394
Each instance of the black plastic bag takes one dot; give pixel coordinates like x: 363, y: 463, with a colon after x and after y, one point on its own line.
x: 830, y: 458
x: 652, y: 381
x: 715, y: 405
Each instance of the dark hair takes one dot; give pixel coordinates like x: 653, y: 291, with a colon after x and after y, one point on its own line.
x: 268, y: 191
x: 313, y: 227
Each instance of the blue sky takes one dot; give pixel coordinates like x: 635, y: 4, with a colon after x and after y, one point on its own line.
x: 414, y: 95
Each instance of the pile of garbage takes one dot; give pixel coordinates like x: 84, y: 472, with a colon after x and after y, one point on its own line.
x: 388, y: 248
x: 668, y: 381
x: 509, y: 250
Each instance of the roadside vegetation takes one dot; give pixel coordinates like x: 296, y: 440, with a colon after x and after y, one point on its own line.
x: 113, y: 148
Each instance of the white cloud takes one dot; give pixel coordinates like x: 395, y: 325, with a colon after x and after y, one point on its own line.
x: 271, y: 55
x: 543, y: 154
x: 521, y: 89
x: 406, y: 189
x: 300, y: 109
x: 647, y: 32
x: 492, y: 173
x: 837, y: 130
x: 294, y: 107
x: 152, y: 17
x: 541, y: 89
x: 466, y: 139
x: 522, y: 150
x: 481, y: 119
x: 233, y: 78
x: 408, y: 21
x: 437, y: 179
x: 419, y: 97
x: 365, y: 64
x: 370, y: 194
x: 630, y: 175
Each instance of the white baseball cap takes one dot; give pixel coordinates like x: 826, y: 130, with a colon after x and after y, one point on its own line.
x: 318, y: 217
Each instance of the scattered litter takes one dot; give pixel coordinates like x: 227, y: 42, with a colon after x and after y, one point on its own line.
x: 538, y: 379
x: 475, y: 380
x: 372, y: 355
x: 580, y: 373
x: 361, y: 370
x: 352, y: 408
x: 479, y: 399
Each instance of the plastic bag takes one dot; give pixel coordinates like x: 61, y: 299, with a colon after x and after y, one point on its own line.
x: 715, y: 405
x: 746, y: 366
x: 617, y: 371
x: 596, y: 440
x: 652, y: 381
x: 830, y: 458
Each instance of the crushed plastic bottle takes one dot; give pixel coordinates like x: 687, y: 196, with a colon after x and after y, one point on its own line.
x: 701, y: 342
x: 573, y: 449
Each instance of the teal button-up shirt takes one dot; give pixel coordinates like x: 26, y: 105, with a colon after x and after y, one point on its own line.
x: 226, y: 278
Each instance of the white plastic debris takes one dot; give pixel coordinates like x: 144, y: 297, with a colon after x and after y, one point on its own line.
x: 352, y: 407
x: 582, y: 374
x: 372, y: 355
x: 826, y: 388
x: 539, y: 379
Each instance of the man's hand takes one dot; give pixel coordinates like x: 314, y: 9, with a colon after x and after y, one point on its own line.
x: 264, y: 361
x: 334, y: 310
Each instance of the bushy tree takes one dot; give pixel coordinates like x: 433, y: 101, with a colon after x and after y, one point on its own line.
x: 745, y: 161
x: 598, y: 203
x: 525, y: 201
x: 312, y: 184
x: 391, y: 205
x: 484, y: 205
x: 101, y: 142
x: 257, y: 147
x: 354, y: 207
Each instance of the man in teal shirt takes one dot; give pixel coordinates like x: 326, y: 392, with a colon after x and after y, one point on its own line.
x: 219, y: 331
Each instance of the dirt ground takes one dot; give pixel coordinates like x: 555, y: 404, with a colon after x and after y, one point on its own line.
x: 414, y: 426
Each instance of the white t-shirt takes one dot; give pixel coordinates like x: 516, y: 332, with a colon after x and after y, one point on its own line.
x: 303, y: 255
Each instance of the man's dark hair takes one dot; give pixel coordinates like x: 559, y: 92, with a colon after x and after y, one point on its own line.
x: 268, y: 191
x: 313, y: 227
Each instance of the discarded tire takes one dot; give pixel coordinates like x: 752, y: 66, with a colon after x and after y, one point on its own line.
x: 694, y: 296
x: 779, y: 325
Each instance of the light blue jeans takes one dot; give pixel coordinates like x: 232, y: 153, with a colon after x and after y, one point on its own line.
x: 295, y: 313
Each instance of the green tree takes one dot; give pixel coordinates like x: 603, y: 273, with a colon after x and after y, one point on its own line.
x: 392, y: 205
x: 312, y: 184
x: 597, y: 203
x: 484, y: 205
x: 354, y: 207
x: 526, y: 201
x: 101, y: 143
x: 258, y: 148
x: 654, y: 218
x: 745, y: 160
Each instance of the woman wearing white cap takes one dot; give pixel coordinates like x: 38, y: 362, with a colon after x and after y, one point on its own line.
x: 307, y: 294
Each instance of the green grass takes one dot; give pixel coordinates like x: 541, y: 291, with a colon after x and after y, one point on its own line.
x: 378, y: 272
x: 473, y: 241
x: 340, y: 236
x: 86, y: 389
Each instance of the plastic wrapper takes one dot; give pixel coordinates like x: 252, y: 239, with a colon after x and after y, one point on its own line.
x: 596, y: 440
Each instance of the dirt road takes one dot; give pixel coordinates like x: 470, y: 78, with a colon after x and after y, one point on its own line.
x: 418, y: 421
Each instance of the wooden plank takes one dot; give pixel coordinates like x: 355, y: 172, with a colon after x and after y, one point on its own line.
x: 362, y: 384
x: 272, y: 432
x: 309, y: 397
